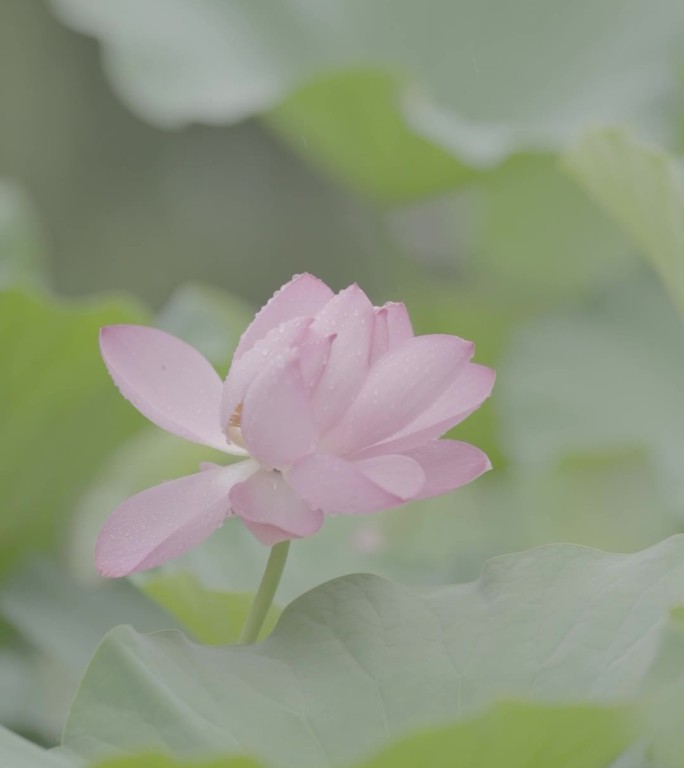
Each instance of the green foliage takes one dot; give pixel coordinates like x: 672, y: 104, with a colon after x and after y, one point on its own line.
x: 478, y: 310
x: 514, y: 735
x: 351, y: 124
x: 212, y: 617
x: 60, y: 413
x: 482, y: 89
x: 20, y: 753
x: 603, y: 377
x: 67, y: 620
x: 558, y: 624
x: 209, y: 319
x: 445, y: 117
x: 541, y: 236
x: 21, y: 244
x: 663, y: 706
x: 518, y: 736
x: 641, y: 187
x: 159, y: 761
x: 58, y: 622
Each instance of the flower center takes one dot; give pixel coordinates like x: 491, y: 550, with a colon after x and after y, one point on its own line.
x: 234, y: 430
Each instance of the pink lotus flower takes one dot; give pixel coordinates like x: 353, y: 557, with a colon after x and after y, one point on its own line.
x: 334, y: 404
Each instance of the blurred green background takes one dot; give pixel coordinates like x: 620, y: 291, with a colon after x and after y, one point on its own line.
x: 491, y: 164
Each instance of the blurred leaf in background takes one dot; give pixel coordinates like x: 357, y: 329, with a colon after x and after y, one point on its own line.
x: 605, y: 376
x: 641, y: 187
x: 209, y: 319
x: 351, y: 125
x: 541, y: 237
x: 512, y: 78
x: 128, y: 206
x: 22, y: 250
x: 61, y: 419
x: 60, y: 414
x: 211, y: 616
x: 59, y: 622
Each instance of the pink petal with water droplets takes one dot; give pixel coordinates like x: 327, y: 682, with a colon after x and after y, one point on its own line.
x: 448, y: 464
x: 268, y: 351
x: 338, y: 486
x: 398, y: 388
x: 167, y: 380
x: 272, y: 510
x: 303, y: 296
x: 471, y: 388
x: 277, y: 419
x: 167, y: 520
x: 350, y: 317
x: 392, y: 328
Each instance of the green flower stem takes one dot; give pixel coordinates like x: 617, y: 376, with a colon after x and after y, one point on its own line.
x: 265, y: 594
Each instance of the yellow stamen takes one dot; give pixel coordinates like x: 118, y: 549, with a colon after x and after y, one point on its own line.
x: 235, y: 420
x: 234, y: 430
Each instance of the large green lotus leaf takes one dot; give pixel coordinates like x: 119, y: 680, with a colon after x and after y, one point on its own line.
x: 606, y: 376
x: 60, y: 413
x: 212, y: 616
x: 486, y: 77
x: 361, y: 660
x: 351, y: 124
x: 21, y: 243
x: 641, y: 187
